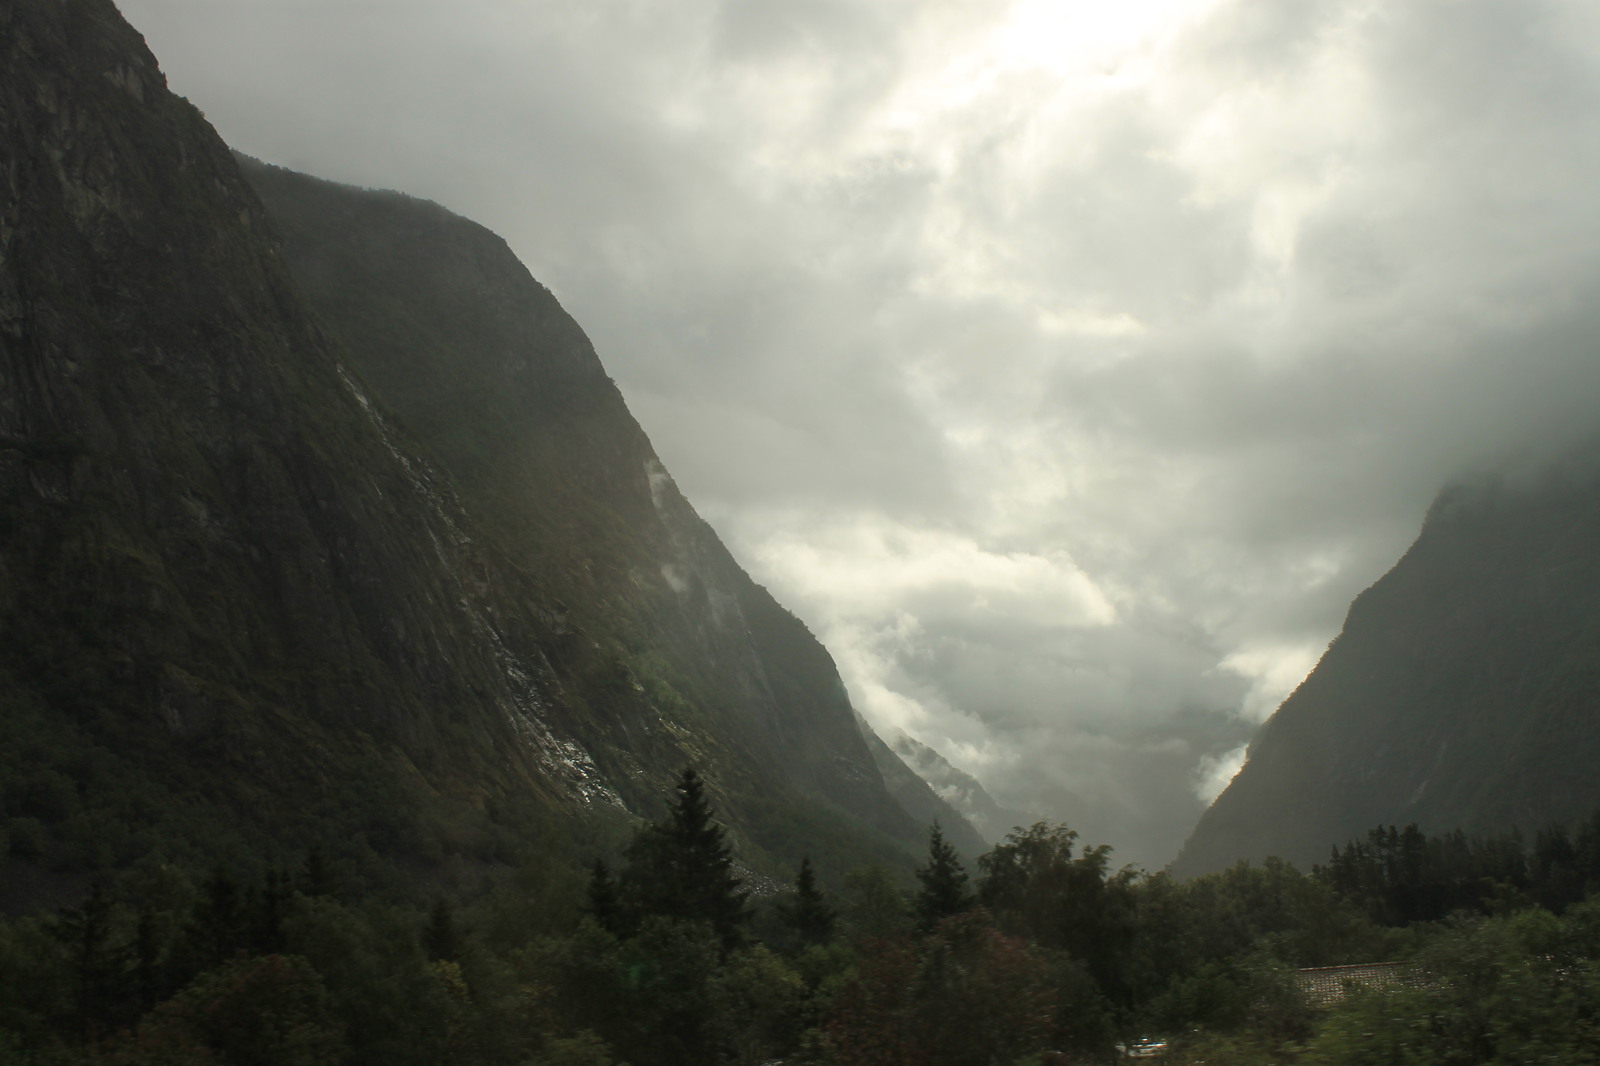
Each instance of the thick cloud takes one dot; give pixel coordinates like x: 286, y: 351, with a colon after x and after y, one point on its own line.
x: 1067, y: 366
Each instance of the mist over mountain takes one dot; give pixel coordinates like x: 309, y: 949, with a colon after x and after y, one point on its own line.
x: 915, y: 791
x: 321, y: 525
x: 1463, y: 691
x: 961, y: 790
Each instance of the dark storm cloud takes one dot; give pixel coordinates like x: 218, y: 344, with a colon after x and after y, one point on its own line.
x: 1067, y: 366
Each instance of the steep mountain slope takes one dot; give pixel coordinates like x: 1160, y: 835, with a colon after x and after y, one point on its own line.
x: 243, y: 612
x: 1463, y: 692
x: 482, y: 364
x: 961, y: 790
x: 236, y: 610
x: 914, y: 792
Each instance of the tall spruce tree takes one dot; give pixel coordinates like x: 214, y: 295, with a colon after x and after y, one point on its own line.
x: 944, y: 883
x: 808, y: 914
x: 440, y: 937
x: 96, y: 960
x: 682, y: 867
x: 604, y: 902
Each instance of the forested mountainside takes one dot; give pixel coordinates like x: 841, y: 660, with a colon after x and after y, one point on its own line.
x: 1463, y: 692
x: 254, y: 603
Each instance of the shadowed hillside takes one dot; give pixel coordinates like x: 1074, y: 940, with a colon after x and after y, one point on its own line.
x: 1464, y: 690
x: 501, y: 385
x: 260, y: 593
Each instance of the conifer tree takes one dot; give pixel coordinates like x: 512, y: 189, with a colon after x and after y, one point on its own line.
x: 318, y: 878
x: 809, y: 914
x: 147, y: 977
x: 440, y: 937
x: 603, y: 902
x: 944, y: 883
x: 271, y: 904
x: 219, y: 924
x: 683, y: 868
x: 96, y: 961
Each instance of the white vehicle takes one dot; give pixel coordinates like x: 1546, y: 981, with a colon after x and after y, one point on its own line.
x: 1146, y: 1048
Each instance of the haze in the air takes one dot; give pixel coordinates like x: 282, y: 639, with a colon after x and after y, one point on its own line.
x: 1067, y: 367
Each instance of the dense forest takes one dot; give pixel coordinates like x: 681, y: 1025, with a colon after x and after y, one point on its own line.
x: 660, y: 954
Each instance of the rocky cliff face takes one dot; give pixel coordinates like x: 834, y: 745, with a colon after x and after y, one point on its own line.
x: 235, y: 599
x: 243, y: 609
x: 1463, y: 692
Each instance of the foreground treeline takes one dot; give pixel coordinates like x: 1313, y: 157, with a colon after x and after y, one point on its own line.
x: 1044, y: 953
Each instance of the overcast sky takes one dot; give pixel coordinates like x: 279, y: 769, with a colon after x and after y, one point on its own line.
x: 1067, y: 367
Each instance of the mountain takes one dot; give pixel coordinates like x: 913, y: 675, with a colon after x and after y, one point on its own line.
x: 345, y: 544
x: 915, y: 792
x: 1463, y: 691
x: 960, y: 790
x: 506, y: 394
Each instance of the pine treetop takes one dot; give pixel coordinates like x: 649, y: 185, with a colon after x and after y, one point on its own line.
x: 682, y: 867
x: 944, y: 883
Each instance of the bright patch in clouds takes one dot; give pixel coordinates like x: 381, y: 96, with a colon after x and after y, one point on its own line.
x: 1273, y: 673
x: 871, y: 563
x: 1216, y: 772
x: 1087, y: 36
x: 877, y: 589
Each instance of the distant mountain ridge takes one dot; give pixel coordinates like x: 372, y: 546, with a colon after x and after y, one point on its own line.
x: 915, y: 791
x: 961, y: 790
x: 1463, y: 691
